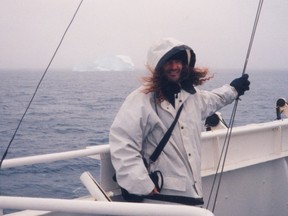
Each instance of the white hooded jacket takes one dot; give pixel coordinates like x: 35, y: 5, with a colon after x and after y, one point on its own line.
x: 141, y: 123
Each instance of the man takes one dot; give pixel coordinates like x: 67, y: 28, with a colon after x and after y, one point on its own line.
x: 148, y: 112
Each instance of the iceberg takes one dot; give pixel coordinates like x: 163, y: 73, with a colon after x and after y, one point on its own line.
x: 108, y: 63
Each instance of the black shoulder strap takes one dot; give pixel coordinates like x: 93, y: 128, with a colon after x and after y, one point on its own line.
x: 165, y: 138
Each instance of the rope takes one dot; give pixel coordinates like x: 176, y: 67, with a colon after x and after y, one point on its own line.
x: 232, y: 118
x: 39, y: 83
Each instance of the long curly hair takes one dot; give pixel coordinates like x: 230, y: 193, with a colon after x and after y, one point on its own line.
x: 190, y: 77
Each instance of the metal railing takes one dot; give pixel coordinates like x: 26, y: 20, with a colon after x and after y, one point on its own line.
x: 48, y: 205
x: 47, y: 158
x: 99, y: 207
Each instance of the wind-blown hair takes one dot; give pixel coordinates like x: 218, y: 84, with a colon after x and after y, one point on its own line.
x: 190, y: 77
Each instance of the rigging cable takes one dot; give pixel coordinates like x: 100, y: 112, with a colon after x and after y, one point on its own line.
x: 39, y: 83
x: 232, y: 118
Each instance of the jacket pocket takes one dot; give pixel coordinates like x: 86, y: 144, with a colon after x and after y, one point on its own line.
x: 174, y: 183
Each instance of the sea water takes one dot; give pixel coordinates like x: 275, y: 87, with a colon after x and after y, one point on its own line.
x: 73, y: 110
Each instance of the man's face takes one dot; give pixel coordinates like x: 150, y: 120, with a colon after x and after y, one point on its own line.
x: 172, y: 70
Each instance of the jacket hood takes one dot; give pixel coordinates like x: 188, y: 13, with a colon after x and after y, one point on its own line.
x: 166, y: 49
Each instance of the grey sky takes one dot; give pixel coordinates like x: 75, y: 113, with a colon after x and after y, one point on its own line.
x: 217, y: 30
